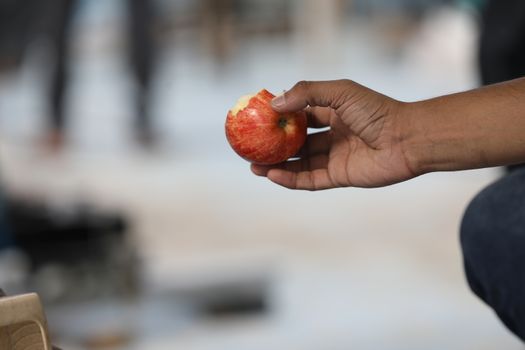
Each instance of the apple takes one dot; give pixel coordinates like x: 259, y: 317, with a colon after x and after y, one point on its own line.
x: 261, y: 135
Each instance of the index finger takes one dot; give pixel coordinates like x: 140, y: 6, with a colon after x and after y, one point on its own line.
x: 315, y: 93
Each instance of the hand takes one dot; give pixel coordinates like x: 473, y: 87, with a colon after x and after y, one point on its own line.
x: 363, y: 146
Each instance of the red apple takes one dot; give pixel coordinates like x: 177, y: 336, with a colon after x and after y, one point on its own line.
x: 261, y: 135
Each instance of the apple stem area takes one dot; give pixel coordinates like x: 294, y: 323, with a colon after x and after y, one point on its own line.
x: 283, y: 122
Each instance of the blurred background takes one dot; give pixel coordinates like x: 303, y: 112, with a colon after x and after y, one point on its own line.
x: 123, y: 206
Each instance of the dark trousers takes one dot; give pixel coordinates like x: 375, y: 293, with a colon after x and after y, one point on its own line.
x: 141, y: 55
x: 493, y: 243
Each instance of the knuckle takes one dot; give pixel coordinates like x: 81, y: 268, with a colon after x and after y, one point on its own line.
x: 346, y: 90
x: 347, y: 86
x: 346, y: 82
x: 303, y: 85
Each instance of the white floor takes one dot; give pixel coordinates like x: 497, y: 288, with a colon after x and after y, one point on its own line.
x: 351, y: 268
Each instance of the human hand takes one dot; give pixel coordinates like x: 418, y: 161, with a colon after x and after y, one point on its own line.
x: 363, y: 146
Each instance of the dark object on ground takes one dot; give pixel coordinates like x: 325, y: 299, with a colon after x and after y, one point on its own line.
x: 76, y: 252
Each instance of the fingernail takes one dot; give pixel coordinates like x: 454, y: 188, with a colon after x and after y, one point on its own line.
x: 278, y: 101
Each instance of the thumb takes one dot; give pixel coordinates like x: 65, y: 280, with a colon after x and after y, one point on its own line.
x: 315, y: 93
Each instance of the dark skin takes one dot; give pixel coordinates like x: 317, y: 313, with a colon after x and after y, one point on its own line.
x: 373, y: 140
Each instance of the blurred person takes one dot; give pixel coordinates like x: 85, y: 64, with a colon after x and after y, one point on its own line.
x: 502, y: 42
x: 373, y: 140
x: 21, y: 21
x: 15, y: 30
x: 141, y: 52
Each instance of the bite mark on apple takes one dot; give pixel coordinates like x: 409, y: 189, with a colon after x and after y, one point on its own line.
x: 241, y: 104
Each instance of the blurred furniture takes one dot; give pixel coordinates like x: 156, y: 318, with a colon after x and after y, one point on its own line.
x: 76, y: 251
x: 23, y: 324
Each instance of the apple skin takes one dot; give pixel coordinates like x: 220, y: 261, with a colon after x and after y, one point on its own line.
x: 263, y: 136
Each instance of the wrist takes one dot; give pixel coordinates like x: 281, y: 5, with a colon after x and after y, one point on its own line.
x: 438, y: 136
x: 418, y: 138
x: 473, y: 129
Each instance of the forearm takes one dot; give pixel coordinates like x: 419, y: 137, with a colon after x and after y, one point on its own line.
x: 474, y: 129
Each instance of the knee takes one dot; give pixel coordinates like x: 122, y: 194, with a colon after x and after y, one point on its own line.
x: 493, y: 221
x: 478, y: 225
x: 493, y: 243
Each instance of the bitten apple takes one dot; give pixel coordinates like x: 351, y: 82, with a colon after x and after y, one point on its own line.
x: 261, y: 135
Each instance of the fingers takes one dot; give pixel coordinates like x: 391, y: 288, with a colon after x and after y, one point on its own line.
x: 298, y: 165
x: 321, y: 93
x: 305, y: 174
x: 318, y: 117
x: 317, y: 143
x: 315, y: 180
